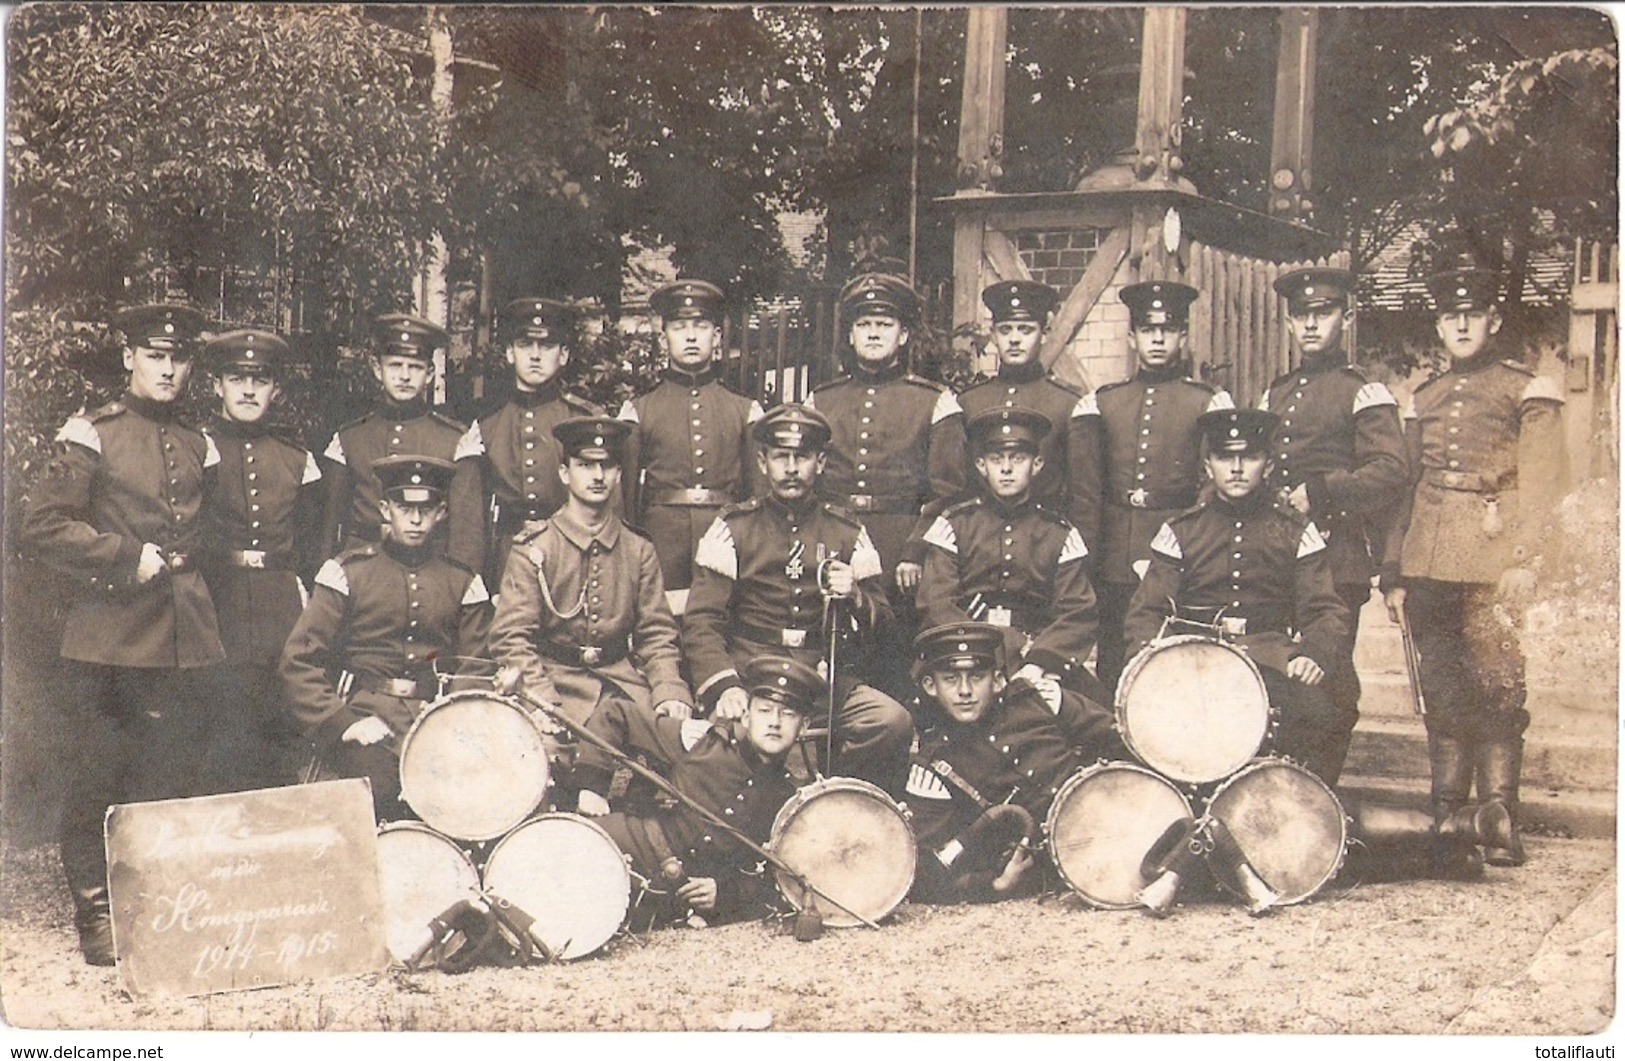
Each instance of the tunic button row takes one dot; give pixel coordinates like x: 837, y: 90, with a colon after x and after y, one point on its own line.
x: 530, y: 414
x: 695, y: 407
x: 253, y: 476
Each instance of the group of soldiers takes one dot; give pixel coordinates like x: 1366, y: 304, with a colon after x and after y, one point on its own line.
x: 953, y: 583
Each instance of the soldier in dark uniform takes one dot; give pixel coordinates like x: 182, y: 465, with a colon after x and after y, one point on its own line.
x: 898, y: 444
x: 1340, y: 454
x: 1020, y: 311
x: 1137, y: 455
x: 763, y: 573
x: 118, y: 510
x: 992, y: 756
x: 359, y: 666
x: 1258, y: 570
x: 1486, y: 448
x: 514, y: 446
x: 582, y: 619
x: 735, y: 769
x: 690, y: 451
x: 261, y: 519
x: 1005, y: 558
x: 402, y: 423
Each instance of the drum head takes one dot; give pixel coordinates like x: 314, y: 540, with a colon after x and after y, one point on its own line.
x: 422, y: 874
x: 474, y: 765
x: 849, y: 839
x: 1288, y: 824
x: 1103, y: 821
x: 568, y: 874
x: 1192, y: 709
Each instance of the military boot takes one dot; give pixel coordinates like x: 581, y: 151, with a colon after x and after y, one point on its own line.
x: 1500, y: 765
x: 1454, y: 856
x: 1404, y: 842
x: 93, y: 917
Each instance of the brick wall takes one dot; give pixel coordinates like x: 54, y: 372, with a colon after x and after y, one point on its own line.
x: 1058, y: 257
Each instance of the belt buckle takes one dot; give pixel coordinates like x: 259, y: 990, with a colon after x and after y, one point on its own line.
x: 793, y: 638
x: 695, y: 495
x: 175, y: 561
x: 1137, y: 498
x: 405, y: 688
x: 254, y: 558
x: 999, y: 617
x: 1233, y: 625
x: 591, y: 655
x: 1453, y: 478
x: 863, y: 502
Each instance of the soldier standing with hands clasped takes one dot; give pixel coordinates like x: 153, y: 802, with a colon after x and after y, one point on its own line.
x: 119, y: 510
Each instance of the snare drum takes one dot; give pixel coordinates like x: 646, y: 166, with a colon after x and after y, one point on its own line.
x: 423, y: 874
x: 850, y: 840
x: 1103, y: 821
x: 1288, y: 824
x: 1193, y: 709
x: 474, y: 765
x: 564, y: 871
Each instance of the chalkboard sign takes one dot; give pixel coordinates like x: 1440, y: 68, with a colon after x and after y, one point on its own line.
x: 250, y: 889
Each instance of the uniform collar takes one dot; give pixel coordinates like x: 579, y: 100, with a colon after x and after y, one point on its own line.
x: 1007, y: 509
x: 403, y: 411
x: 672, y: 374
x: 1166, y: 374
x: 1027, y: 373
x: 408, y: 557
x: 894, y: 369
x: 794, y: 512
x: 163, y: 412
x: 1484, y: 360
x: 226, y: 426
x: 1325, y: 362
x: 547, y: 392
x: 1257, y: 501
x: 582, y: 537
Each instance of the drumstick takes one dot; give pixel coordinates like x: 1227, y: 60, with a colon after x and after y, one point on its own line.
x: 671, y: 790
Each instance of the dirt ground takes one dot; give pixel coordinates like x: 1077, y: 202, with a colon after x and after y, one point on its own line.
x: 1524, y: 952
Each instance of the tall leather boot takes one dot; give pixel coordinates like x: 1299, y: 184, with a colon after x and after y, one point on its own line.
x: 1405, y: 842
x: 92, y: 912
x: 1451, y: 760
x: 1500, y: 766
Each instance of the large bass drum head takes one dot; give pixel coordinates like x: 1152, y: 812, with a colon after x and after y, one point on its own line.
x: 1103, y: 821
x: 1288, y: 824
x: 422, y: 874
x: 849, y: 839
x: 566, y: 872
x: 474, y: 765
x: 1193, y: 709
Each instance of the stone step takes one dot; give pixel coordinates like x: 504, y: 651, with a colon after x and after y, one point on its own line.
x: 1591, y: 814
x: 1568, y: 711
x: 1397, y: 749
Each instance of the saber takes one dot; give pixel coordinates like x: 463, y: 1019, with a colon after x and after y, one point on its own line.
x: 710, y: 817
x: 1413, y: 666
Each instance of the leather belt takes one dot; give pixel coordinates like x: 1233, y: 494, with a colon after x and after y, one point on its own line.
x: 880, y: 505
x: 258, y: 559
x: 516, y: 513
x: 1142, y: 498
x: 691, y: 497
x: 786, y: 637
x: 1471, y: 482
x: 583, y: 655
x: 405, y: 688
x: 178, y: 562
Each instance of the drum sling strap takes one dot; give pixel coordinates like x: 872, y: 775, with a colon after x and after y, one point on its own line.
x: 943, y: 769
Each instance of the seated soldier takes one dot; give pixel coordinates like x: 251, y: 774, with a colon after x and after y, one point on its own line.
x: 1255, y: 574
x: 734, y: 768
x: 1002, y: 558
x: 359, y: 664
x: 761, y: 578
x: 992, y: 756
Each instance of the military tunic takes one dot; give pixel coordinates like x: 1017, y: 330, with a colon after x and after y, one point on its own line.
x: 1029, y: 386
x: 1266, y: 566
x: 1137, y: 462
x: 519, y: 458
x: 583, y: 616
x: 1021, y: 567
x: 756, y: 593
x: 353, y: 492
x: 261, y: 520
x: 1487, y: 449
x: 378, y: 619
x: 690, y: 454
x: 715, y: 766
x: 1021, y: 751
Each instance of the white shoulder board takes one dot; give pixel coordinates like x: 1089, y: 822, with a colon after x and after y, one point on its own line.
x: 1167, y: 544
x: 1311, y: 542
x: 1140, y: 568
x: 313, y: 471
x: 1073, y: 548
x: 211, y: 452
x: 629, y: 412
x: 472, y: 444
x: 716, y: 552
x: 947, y: 405
x: 332, y: 576
x: 1542, y: 388
x: 755, y: 413
x: 865, y: 557
x: 1220, y: 400
x: 925, y: 784
x: 693, y: 731
x: 1087, y: 406
x: 808, y: 400
x: 81, y: 432
x: 1408, y: 410
x: 476, y: 592
x: 335, y: 451
x: 1264, y: 399
x: 941, y: 534
x: 1372, y: 395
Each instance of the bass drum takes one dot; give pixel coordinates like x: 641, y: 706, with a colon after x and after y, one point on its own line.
x: 1193, y: 709
x: 422, y: 875
x: 474, y: 765
x: 566, y: 872
x: 850, y: 840
x: 1288, y: 824
x: 1103, y: 821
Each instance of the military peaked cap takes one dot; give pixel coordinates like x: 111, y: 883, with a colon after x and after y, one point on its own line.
x: 1316, y: 286
x: 592, y: 437
x: 160, y: 326
x: 247, y: 348
x: 1460, y: 289
x: 1158, y: 302
x: 404, y: 335
x: 959, y: 644
x: 1006, y: 427
x: 784, y: 680
x: 535, y: 318
x: 1020, y: 300
x: 1238, y: 430
x: 414, y: 479
x: 879, y: 293
x: 792, y: 426
x: 685, y: 299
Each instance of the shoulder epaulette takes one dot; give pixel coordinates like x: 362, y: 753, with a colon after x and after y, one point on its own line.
x: 581, y: 403
x: 1051, y: 515
x: 1113, y: 386
x: 458, y: 425
x: 1518, y: 366
x: 831, y: 383
x: 734, y: 508
x: 458, y: 564
x: 357, y: 422
x: 1204, y: 384
x: 1425, y: 384
x: 1194, y: 510
x: 639, y: 531
x: 845, y: 515
x: 1075, y: 391
x: 962, y: 506
x: 106, y: 412
x: 530, y: 533
x: 357, y: 552
x: 921, y: 381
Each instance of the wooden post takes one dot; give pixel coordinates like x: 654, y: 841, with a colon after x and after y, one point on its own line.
x: 1162, y: 95
x: 1292, y: 140
x: 981, y: 145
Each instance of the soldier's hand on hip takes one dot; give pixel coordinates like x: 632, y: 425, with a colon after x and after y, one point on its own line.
x: 1305, y: 670
x: 151, y: 564
x: 674, y: 709
x: 908, y: 576
x: 732, y: 704
x: 1517, y: 585
x: 837, y: 579
x: 1394, y: 599
x: 365, y: 731
x: 699, y: 893
x: 592, y: 804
